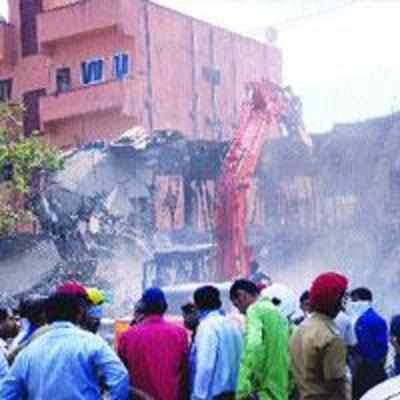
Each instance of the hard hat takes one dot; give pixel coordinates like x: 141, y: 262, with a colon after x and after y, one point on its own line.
x: 282, y: 297
x: 96, y: 296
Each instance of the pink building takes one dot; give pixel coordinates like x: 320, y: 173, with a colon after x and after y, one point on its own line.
x: 91, y: 69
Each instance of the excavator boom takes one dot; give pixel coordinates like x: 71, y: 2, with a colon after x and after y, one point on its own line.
x: 267, y: 107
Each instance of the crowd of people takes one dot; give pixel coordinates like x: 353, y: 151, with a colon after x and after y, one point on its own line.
x: 337, y: 349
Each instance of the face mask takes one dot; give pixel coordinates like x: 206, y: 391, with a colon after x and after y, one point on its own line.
x: 357, y: 308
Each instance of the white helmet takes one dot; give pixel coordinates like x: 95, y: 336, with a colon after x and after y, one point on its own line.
x: 282, y: 297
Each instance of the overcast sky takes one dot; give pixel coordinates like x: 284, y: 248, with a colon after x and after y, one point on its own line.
x: 339, y: 55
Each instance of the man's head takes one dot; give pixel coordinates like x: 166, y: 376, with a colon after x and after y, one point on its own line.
x: 65, y: 307
x: 33, y: 309
x: 305, y: 302
x: 361, y: 294
x: 207, y: 298
x: 94, y: 312
x: 261, y: 280
x: 154, y: 301
x: 243, y: 293
x: 254, y: 267
x: 190, y: 316
x: 8, y: 325
x: 93, y: 316
x: 76, y: 289
x: 327, y: 293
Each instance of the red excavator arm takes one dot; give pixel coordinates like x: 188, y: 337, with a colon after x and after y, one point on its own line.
x: 262, y: 113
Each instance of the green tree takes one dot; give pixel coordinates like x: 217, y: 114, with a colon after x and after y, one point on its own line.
x: 20, y: 159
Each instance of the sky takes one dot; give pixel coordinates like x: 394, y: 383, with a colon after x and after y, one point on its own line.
x: 339, y: 55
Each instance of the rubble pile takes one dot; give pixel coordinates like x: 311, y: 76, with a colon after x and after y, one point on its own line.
x: 92, y: 211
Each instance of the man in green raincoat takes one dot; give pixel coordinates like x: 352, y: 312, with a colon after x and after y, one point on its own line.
x: 264, y: 369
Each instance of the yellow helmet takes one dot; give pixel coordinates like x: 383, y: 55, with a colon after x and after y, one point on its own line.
x: 96, y: 296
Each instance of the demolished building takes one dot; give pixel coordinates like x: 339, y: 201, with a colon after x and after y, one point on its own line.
x: 97, y: 71
x: 113, y: 196
x: 335, y: 207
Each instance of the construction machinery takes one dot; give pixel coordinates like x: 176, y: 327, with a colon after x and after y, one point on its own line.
x: 267, y: 110
x: 179, y: 265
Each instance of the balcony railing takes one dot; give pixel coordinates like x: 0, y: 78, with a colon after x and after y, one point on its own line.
x: 82, y: 17
x: 116, y: 94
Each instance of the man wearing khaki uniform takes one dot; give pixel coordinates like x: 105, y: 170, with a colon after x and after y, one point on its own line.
x: 318, y: 353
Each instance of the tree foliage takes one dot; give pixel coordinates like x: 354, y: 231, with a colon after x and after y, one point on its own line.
x: 20, y: 159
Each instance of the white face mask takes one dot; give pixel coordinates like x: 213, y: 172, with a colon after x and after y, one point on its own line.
x: 357, y: 308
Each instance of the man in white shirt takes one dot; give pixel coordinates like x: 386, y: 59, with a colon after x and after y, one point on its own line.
x: 345, y: 327
x: 216, y: 350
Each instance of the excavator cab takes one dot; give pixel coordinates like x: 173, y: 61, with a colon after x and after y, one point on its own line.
x: 181, y: 265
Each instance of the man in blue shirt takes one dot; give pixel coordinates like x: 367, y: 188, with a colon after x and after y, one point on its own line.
x: 217, y: 349
x: 372, y: 343
x: 64, y: 363
x: 8, y: 330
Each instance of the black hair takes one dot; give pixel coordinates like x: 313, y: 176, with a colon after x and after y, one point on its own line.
x: 188, y: 308
x: 3, y: 314
x: 139, y: 307
x: 243, y: 284
x: 33, y: 309
x: 154, y: 301
x: 305, y: 296
x: 207, y: 298
x: 64, y: 307
x: 395, y: 326
x: 363, y: 293
x: 155, y: 308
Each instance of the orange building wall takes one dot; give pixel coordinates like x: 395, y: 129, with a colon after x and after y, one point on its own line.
x: 86, y: 129
x: 171, y: 69
x: 169, y: 86
x: 51, y: 4
x: 168, y: 80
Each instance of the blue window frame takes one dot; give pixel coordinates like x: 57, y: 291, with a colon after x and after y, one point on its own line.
x: 121, y: 65
x: 92, y: 71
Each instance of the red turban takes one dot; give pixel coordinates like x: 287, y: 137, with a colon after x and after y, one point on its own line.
x: 72, y: 287
x: 326, y: 290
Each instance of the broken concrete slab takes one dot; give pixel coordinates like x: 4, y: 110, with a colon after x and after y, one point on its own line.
x: 23, y: 268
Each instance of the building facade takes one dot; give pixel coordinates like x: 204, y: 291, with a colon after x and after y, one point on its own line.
x: 91, y: 69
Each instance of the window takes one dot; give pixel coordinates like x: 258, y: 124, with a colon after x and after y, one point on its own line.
x: 5, y: 90
x: 212, y: 75
x: 92, y: 71
x: 63, y: 79
x: 121, y: 65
